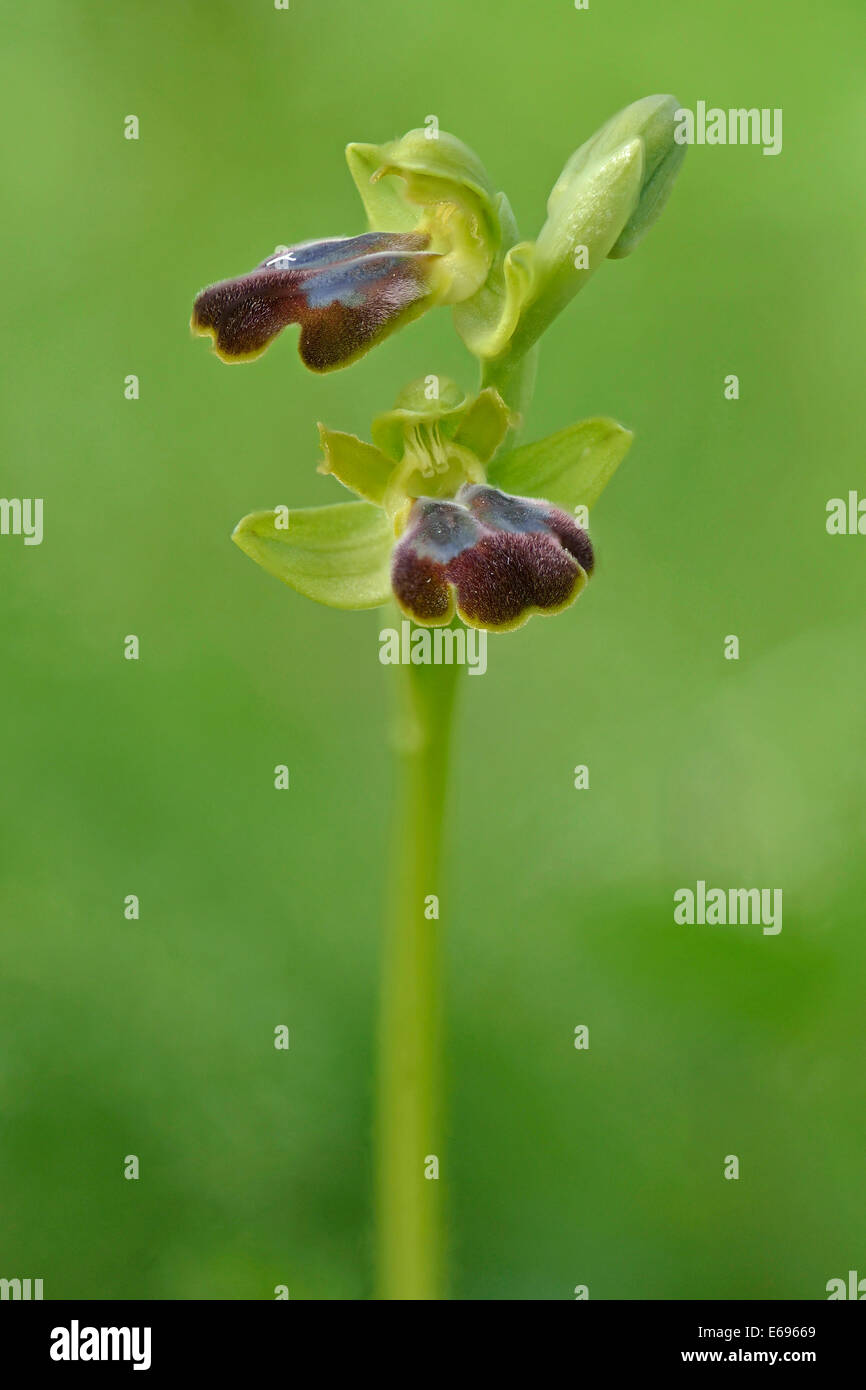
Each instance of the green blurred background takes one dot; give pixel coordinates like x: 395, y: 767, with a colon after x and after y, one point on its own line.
x: 257, y: 908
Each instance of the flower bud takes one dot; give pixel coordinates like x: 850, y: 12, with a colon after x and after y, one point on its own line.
x: 652, y: 123
x: 604, y: 202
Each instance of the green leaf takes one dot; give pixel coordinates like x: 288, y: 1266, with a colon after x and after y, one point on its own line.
x: 358, y: 465
x: 570, y: 468
x: 336, y: 555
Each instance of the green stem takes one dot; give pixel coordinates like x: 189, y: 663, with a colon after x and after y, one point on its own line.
x: 513, y: 376
x: 409, y: 1102
x: 409, y: 1205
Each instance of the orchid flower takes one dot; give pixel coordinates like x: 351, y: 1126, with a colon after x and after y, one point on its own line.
x: 451, y: 519
x: 448, y: 520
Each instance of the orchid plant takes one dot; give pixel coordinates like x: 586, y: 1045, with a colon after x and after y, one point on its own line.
x: 452, y: 521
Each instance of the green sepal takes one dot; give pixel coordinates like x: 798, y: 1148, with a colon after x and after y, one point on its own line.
x: 396, y: 178
x: 338, y: 555
x: 359, y: 466
x: 438, y: 187
x: 487, y: 320
x: 477, y: 423
x: 569, y: 469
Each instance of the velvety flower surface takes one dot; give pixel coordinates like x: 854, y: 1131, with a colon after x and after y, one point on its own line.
x: 496, y: 558
x: 346, y: 293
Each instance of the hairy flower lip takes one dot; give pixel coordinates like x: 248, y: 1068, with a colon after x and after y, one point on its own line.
x: 494, y: 558
x: 347, y: 293
x: 513, y: 515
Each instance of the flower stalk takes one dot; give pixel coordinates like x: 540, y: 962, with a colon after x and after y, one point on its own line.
x: 409, y: 1121
x: 450, y: 519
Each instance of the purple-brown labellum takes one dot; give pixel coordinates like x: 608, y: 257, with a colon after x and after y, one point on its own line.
x: 347, y: 294
x: 497, y: 558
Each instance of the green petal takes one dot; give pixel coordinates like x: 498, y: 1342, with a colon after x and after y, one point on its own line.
x: 414, y: 407
x: 440, y: 170
x: 484, y: 425
x: 358, y: 465
x: 487, y: 321
x: 336, y: 555
x: 438, y: 187
x: 570, y: 468
x: 384, y: 199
